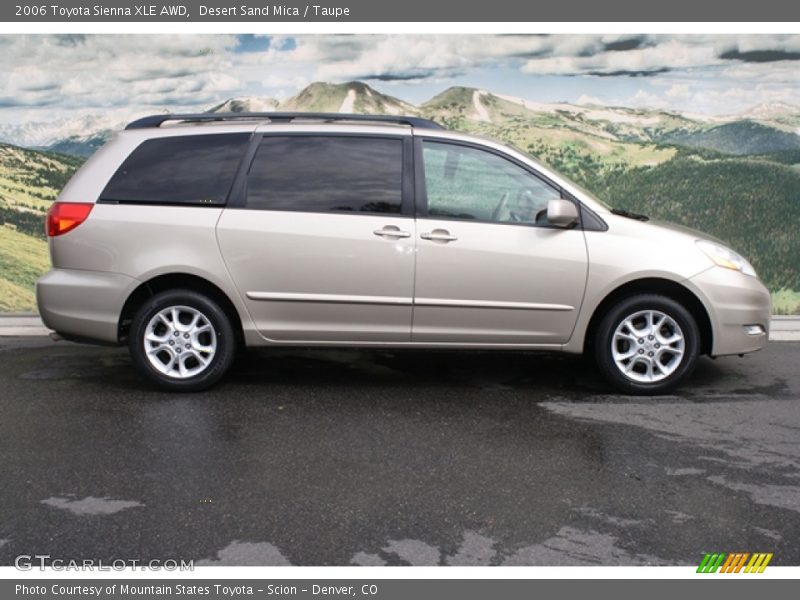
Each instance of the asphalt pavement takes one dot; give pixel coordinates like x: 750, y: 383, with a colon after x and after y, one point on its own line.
x: 339, y: 457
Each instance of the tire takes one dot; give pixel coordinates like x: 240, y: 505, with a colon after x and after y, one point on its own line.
x: 189, y: 357
x: 647, y: 344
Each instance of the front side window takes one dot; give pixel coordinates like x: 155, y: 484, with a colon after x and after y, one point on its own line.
x: 327, y: 174
x: 468, y: 183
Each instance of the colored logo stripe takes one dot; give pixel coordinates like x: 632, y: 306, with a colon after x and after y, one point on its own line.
x: 735, y: 562
x: 760, y: 562
x: 711, y: 562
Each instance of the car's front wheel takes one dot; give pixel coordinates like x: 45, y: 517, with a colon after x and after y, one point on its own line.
x: 647, y: 344
x: 181, y: 340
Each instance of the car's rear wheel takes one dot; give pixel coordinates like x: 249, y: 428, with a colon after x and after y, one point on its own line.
x: 181, y: 340
x: 647, y: 344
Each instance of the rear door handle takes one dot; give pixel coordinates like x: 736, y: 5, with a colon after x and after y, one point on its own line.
x: 391, y: 231
x: 438, y: 235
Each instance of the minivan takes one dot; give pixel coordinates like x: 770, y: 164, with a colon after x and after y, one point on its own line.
x: 189, y: 236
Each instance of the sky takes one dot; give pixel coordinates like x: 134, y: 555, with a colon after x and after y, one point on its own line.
x: 44, y: 78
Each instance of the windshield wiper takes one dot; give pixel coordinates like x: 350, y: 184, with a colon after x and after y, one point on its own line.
x: 630, y: 215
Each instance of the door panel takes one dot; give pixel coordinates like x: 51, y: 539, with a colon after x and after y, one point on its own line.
x: 498, y: 284
x: 321, y: 277
x: 321, y: 248
x: 490, y: 270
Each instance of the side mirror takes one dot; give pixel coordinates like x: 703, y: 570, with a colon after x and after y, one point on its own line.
x: 561, y: 213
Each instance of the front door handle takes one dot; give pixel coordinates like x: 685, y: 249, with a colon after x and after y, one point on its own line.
x: 391, y: 231
x: 438, y: 235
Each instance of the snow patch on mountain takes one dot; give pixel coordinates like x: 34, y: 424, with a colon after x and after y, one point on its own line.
x: 348, y: 102
x: 393, y: 110
x: 480, y: 109
x: 540, y: 107
x: 246, y: 104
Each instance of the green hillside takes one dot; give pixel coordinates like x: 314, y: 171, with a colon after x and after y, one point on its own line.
x: 30, y: 179
x: 740, y: 138
x: 29, y: 182
x: 752, y: 204
x: 23, y: 258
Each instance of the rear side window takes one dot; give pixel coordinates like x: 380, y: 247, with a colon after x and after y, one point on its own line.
x: 191, y: 169
x: 327, y: 173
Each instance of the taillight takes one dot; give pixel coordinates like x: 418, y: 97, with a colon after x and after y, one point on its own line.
x: 66, y: 216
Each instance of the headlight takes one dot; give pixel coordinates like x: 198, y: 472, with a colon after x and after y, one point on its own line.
x: 725, y: 257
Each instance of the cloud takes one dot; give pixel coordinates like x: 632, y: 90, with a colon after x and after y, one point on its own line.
x: 628, y: 73
x: 786, y: 72
x: 103, y: 71
x: 623, y: 45
x: 646, y: 99
x: 760, y: 56
x: 76, y: 73
x: 678, y: 90
x: 662, y: 54
x: 418, y: 76
x: 339, y: 58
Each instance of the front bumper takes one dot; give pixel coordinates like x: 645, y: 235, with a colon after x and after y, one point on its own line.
x: 83, y: 304
x: 739, y: 307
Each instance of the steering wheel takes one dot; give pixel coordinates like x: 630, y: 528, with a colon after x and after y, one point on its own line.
x: 500, y: 206
x: 525, y: 207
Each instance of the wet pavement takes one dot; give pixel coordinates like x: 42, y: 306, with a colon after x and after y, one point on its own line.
x: 338, y: 457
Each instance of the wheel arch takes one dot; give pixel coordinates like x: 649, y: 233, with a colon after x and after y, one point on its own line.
x: 171, y: 281
x: 655, y: 285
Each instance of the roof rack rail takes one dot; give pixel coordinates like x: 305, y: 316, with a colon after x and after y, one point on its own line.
x: 279, y: 117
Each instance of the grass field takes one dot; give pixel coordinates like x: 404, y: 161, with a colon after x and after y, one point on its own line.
x: 23, y: 259
x: 785, y: 302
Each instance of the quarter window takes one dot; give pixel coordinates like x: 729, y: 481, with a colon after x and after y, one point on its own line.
x: 327, y: 173
x: 468, y: 183
x: 190, y: 169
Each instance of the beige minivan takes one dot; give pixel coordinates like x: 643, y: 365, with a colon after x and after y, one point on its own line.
x: 188, y: 236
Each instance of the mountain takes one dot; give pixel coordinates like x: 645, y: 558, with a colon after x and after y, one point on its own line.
x: 739, y: 138
x: 83, y: 136
x: 586, y: 127
x: 591, y: 128
x: 618, y: 123
x: 557, y: 133
x: 246, y: 104
x: 78, y: 129
x: 736, y: 177
x: 466, y: 104
x: 76, y: 145
x: 352, y: 97
x: 772, y: 113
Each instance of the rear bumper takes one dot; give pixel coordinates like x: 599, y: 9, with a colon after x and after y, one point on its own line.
x: 739, y: 307
x: 83, y: 304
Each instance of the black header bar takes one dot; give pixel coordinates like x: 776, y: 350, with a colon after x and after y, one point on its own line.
x: 441, y: 11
